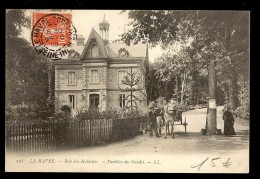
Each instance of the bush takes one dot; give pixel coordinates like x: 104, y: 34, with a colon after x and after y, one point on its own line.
x: 26, y: 113
x: 66, y: 109
x: 20, y: 112
x: 61, y: 117
x: 92, y: 114
x: 133, y: 112
x: 242, y: 112
x: 89, y: 114
x: 64, y: 115
x: 110, y: 114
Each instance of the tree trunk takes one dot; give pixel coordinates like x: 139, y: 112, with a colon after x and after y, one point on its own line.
x: 211, y: 124
x: 176, y: 87
x: 194, y: 96
x: 233, y: 88
x: 233, y: 91
x: 166, y: 89
x: 151, y: 92
x: 183, y: 86
x: 226, y: 93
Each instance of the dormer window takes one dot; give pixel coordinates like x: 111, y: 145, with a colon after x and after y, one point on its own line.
x: 122, y: 52
x: 94, y: 51
x: 73, y: 54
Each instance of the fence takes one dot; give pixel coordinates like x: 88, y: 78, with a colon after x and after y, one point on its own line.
x: 29, y: 138
x: 39, y: 137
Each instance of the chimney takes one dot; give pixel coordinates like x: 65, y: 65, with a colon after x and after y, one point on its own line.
x: 80, y: 40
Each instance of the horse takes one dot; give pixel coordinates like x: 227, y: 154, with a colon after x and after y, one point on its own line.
x: 170, y: 117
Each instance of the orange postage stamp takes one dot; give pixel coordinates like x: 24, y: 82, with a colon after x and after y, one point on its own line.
x: 52, y: 34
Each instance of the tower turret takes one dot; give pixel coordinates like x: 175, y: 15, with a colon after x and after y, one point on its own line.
x: 104, y: 29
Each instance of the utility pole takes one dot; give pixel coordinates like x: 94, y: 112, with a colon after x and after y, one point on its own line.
x: 131, y: 87
x: 211, y: 123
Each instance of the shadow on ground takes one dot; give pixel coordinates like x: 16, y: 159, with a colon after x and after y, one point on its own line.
x: 195, y: 142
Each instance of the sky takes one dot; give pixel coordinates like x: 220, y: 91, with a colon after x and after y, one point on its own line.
x: 85, y: 20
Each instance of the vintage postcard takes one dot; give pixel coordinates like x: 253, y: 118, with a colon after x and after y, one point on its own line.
x: 137, y: 91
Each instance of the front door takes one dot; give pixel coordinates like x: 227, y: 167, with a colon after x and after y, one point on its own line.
x: 93, y: 100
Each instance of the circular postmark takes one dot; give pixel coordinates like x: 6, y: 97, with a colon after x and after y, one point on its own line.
x: 53, y: 35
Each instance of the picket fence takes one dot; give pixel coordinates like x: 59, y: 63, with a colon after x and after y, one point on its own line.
x: 46, y: 136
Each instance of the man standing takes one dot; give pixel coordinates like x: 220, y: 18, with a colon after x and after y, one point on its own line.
x: 152, y: 120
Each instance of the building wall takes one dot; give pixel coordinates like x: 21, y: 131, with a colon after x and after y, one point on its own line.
x: 91, y: 85
x: 112, y: 99
x: 96, y: 88
x: 63, y: 89
x: 113, y: 84
x: 113, y: 75
x: 64, y: 99
x: 107, y: 87
x: 113, y: 102
x: 63, y: 79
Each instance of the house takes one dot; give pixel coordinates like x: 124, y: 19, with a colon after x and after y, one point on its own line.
x: 92, y: 74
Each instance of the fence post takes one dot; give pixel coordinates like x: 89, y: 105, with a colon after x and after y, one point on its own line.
x: 48, y: 136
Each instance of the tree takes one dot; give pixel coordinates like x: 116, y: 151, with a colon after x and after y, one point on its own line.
x: 181, y: 67
x: 132, y: 82
x: 210, y: 33
x: 153, y: 84
x: 15, y: 21
x: 234, y: 64
x: 26, y: 71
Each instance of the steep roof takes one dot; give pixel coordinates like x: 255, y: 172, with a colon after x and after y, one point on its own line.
x: 78, y: 48
x: 134, y: 50
x: 100, y: 43
x: 111, y: 50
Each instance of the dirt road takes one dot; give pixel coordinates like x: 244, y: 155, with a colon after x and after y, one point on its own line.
x: 181, y: 154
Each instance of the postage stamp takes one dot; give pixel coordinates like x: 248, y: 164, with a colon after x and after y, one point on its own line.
x: 52, y: 34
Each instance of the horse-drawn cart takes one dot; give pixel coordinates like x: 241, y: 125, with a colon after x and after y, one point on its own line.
x: 179, y: 119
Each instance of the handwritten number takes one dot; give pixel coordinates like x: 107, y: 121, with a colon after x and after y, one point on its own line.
x: 225, y: 164
x: 199, y: 165
x: 212, y: 161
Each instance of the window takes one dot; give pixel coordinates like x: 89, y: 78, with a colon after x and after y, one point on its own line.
x: 72, y: 101
x: 94, y: 76
x: 71, y: 78
x: 121, y: 75
x: 94, y: 51
x: 93, y: 100
x: 121, y: 100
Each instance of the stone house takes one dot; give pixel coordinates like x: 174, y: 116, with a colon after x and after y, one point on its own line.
x: 92, y: 74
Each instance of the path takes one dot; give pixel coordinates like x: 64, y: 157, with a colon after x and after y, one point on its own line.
x: 185, y: 148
